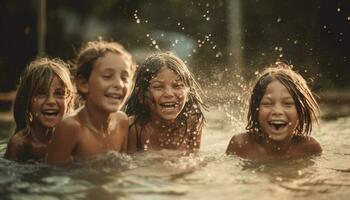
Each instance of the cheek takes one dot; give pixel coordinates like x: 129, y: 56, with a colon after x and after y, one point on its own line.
x: 182, y: 94
x: 36, y: 104
x: 63, y: 104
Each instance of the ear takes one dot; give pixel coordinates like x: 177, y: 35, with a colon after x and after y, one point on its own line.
x: 82, y: 84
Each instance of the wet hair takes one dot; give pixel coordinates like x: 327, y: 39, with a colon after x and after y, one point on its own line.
x: 149, y: 70
x: 93, y: 50
x: 37, y: 77
x: 305, y: 103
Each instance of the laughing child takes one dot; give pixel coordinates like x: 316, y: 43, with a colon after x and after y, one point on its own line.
x: 104, y: 74
x: 281, y: 114
x: 165, y: 108
x: 45, y: 94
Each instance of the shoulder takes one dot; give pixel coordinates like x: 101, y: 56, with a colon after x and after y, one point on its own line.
x: 310, y: 145
x: 69, y: 127
x: 121, y: 117
x: 239, y: 143
x: 17, y: 146
x: 69, y: 123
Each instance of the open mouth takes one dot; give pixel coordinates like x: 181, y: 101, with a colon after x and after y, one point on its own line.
x: 50, y: 113
x: 168, y: 105
x: 278, y: 125
x: 114, y: 96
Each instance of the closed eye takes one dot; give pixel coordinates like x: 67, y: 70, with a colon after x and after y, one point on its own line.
x: 179, y: 85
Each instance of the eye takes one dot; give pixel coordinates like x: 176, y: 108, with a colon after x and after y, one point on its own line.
x: 289, y: 103
x: 125, y: 77
x: 156, y: 86
x: 266, y: 103
x: 41, y: 93
x: 179, y: 85
x: 107, y: 76
x: 60, y: 93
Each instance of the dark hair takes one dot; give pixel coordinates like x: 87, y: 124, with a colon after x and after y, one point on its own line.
x: 93, y: 50
x: 305, y: 103
x: 147, y: 71
x: 38, y: 77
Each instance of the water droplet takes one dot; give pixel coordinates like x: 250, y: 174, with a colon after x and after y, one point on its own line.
x: 279, y: 19
x: 295, y: 41
x: 338, y: 9
x: 208, y: 18
x: 138, y: 21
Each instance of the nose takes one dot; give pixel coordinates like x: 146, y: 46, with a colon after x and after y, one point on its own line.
x: 50, y: 99
x: 277, y: 109
x: 117, y: 83
x: 168, y: 92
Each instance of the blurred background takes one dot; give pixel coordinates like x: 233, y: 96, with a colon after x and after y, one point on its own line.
x: 224, y: 42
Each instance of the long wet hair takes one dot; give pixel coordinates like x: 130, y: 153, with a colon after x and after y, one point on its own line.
x: 37, y: 77
x: 305, y: 103
x: 149, y: 70
x: 93, y: 50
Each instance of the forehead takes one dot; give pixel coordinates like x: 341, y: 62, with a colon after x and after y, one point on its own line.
x: 276, y: 88
x: 166, y: 74
x: 112, y: 61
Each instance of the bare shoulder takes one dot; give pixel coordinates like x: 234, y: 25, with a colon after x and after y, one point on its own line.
x: 69, y: 127
x: 17, y: 146
x: 121, y: 117
x: 310, y: 145
x: 239, y: 144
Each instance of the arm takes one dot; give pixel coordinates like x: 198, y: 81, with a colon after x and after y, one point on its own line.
x: 123, y: 121
x: 131, y: 144
x: 195, y: 132
x: 63, y: 142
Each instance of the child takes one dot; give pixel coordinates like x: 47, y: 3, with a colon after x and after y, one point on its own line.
x: 104, y: 78
x: 281, y: 112
x: 165, y: 107
x: 45, y: 94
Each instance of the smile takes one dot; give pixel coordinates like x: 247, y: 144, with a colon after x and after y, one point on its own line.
x: 114, y: 96
x: 278, y: 125
x: 168, y: 105
x: 50, y: 113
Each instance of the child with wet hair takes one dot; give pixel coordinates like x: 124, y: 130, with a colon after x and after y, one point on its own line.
x: 282, y: 111
x: 44, y: 95
x: 104, y: 79
x: 165, y: 107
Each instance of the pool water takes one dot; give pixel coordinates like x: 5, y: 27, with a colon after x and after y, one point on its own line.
x: 210, y: 174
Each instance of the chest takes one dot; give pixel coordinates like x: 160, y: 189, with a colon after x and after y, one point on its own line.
x: 92, y: 144
x: 155, y: 140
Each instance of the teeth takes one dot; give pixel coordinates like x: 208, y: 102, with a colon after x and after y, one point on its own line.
x: 49, y: 112
x: 116, y: 96
x: 168, y: 104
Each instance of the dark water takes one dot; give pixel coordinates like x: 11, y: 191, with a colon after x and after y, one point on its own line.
x: 208, y: 175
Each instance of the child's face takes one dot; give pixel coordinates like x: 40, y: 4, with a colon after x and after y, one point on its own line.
x: 166, y: 95
x: 110, y: 82
x: 278, y: 116
x: 48, y: 107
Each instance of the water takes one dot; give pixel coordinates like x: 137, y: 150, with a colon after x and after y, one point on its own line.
x: 208, y: 175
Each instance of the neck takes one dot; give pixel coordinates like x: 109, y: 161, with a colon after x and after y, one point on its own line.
x: 96, y: 119
x: 277, y: 147
x: 161, y: 124
x: 40, y: 133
